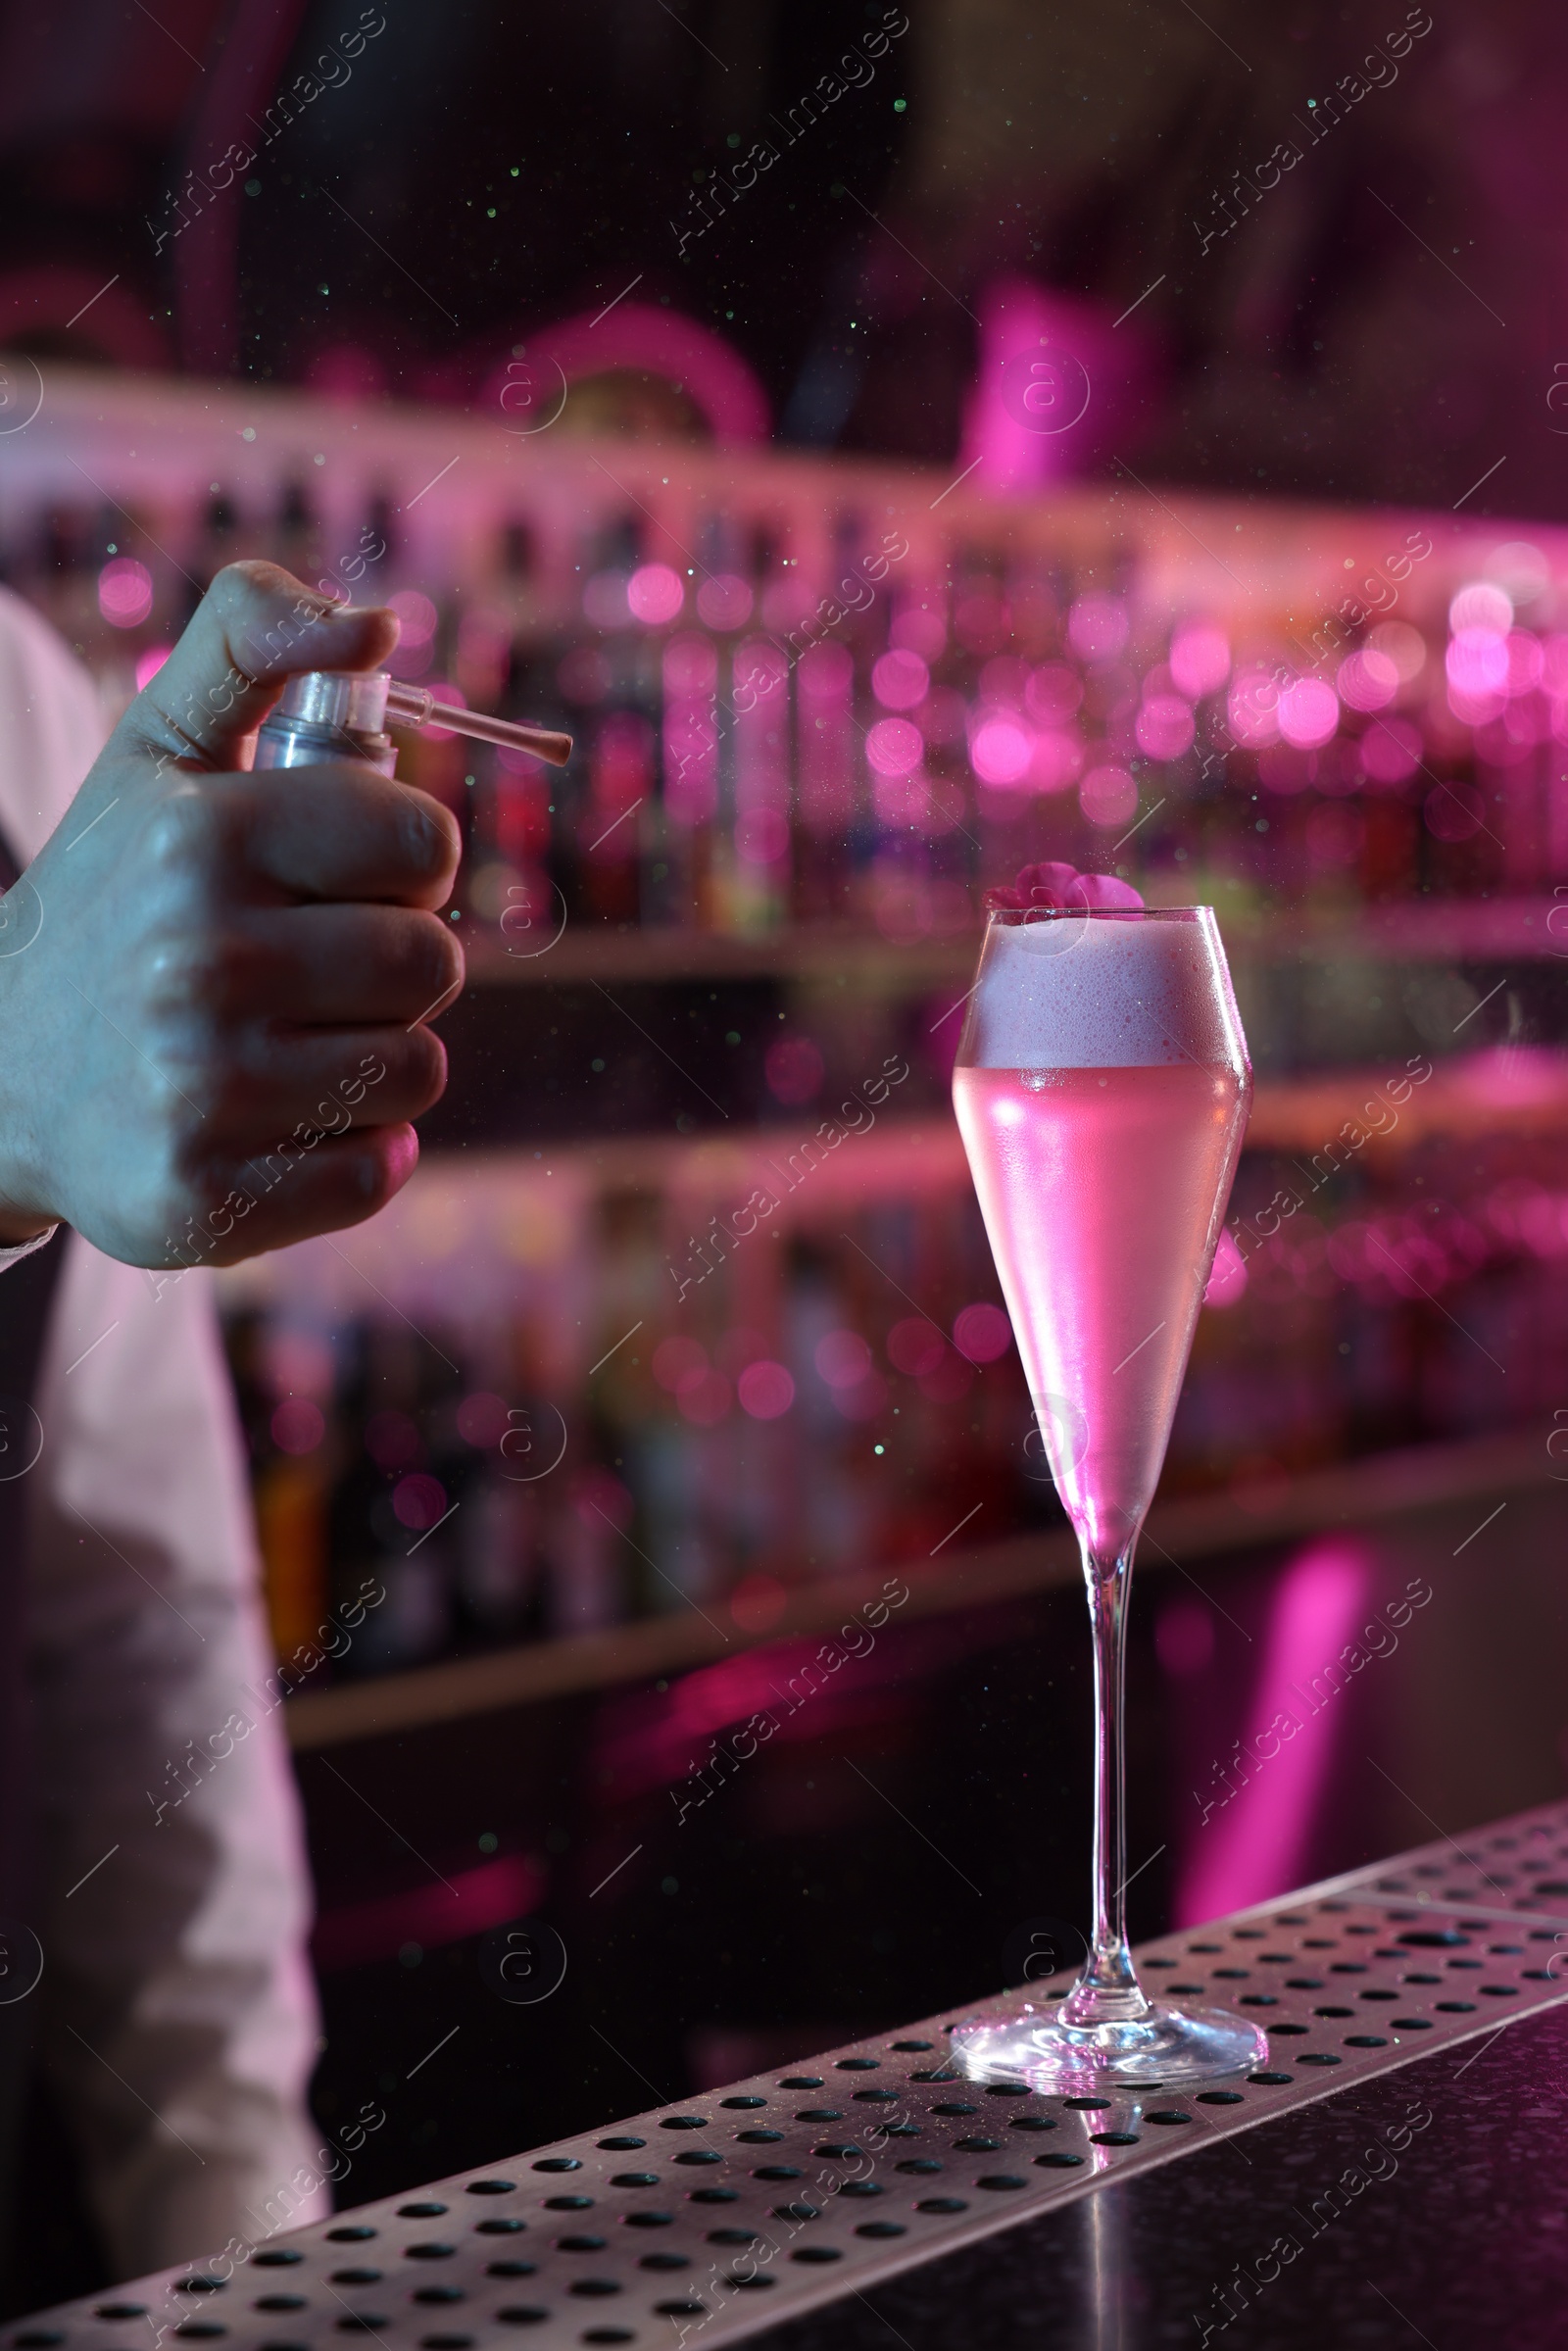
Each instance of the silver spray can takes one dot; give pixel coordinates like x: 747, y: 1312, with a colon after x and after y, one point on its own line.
x: 330, y: 714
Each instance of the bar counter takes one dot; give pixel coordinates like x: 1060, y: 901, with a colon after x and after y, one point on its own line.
x: 1391, y: 2175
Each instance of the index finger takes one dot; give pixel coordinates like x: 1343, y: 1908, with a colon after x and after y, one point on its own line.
x: 341, y: 831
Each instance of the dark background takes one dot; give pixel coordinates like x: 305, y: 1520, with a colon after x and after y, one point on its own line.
x: 1383, y: 325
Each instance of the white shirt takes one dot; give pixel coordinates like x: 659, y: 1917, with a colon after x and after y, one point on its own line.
x: 174, y: 1976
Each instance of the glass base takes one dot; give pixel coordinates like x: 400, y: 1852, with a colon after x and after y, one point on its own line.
x: 1166, y: 2046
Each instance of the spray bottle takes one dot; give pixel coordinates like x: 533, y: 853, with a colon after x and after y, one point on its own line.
x: 343, y: 715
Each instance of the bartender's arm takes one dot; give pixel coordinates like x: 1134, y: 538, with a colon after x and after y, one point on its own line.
x: 212, y: 1015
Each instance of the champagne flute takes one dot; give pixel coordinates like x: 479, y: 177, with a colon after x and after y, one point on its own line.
x: 1102, y: 1090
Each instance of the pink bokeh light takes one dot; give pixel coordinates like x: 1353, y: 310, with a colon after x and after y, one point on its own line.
x: 125, y: 591
x: 725, y: 601
x: 982, y: 1333
x: 1527, y: 662
x: 1164, y: 726
x: 419, y: 1502
x: 1367, y: 680
x: 298, y: 1425
x: 794, y: 1069
x: 900, y: 679
x: 1252, y: 710
x: 1200, y: 658
x: 1001, y: 749
x: 656, y: 594
x: 916, y: 1347
x: 842, y: 1358
x: 766, y: 1390
x: 1054, y: 693
x: 1227, y: 1282
x: 1109, y: 797
x: 894, y: 747
x: 482, y: 1419
x: 1480, y: 604
x: 416, y: 617
x: 1308, y: 712
x: 1477, y: 662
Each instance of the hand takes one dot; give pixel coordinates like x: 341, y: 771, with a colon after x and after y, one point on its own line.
x: 215, y: 1040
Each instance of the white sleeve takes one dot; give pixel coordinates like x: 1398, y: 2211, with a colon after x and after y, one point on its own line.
x: 26, y: 1249
x: 181, y: 2016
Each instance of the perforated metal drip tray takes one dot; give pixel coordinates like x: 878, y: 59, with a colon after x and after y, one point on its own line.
x: 751, y: 2205
x: 1517, y: 1867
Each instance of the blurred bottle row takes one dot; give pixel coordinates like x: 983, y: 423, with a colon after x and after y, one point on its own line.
x: 560, y: 1451
x: 801, y: 701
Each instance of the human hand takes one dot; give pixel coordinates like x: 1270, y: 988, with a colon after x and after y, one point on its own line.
x: 215, y: 1040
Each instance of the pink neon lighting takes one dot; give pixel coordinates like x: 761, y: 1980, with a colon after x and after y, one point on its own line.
x: 1255, y: 1841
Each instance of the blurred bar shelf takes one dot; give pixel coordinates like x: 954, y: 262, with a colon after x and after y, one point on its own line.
x: 1192, y: 1527
x: 157, y: 440
x: 1435, y: 930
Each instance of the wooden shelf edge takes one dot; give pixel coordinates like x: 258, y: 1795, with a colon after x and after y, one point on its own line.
x: 1413, y: 930
x: 1201, y: 1526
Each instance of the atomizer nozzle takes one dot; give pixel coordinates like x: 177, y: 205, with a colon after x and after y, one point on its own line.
x: 415, y: 706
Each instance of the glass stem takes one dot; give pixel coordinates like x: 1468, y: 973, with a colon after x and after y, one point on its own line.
x: 1107, y: 1993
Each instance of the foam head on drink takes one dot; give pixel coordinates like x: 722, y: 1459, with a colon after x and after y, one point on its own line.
x: 1102, y: 1094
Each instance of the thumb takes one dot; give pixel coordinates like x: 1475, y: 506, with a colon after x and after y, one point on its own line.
x: 256, y: 626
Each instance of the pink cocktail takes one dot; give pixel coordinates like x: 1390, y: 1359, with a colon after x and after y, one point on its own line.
x: 1101, y: 1091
